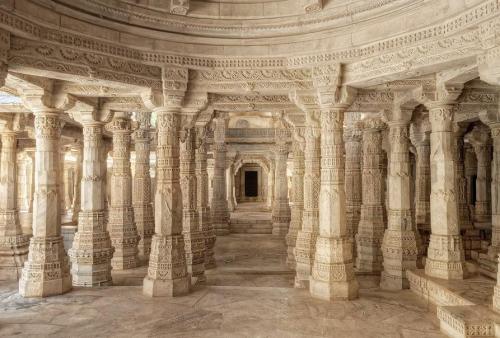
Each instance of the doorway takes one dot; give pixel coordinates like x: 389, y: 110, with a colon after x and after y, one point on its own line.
x: 251, y: 184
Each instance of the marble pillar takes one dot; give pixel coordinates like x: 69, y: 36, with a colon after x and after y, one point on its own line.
x: 480, y: 140
x: 445, y: 256
x: 202, y: 204
x: 489, y: 262
x: 13, y: 244
x: 141, y: 186
x: 121, y: 224
x: 305, y: 246
x: 420, y: 138
x: 27, y: 223
x: 297, y: 197
x: 399, y: 246
x: 220, y: 212
x: 353, y: 179
x: 333, y: 271
x: 281, y: 206
x: 371, y: 225
x: 76, y: 204
x: 194, y: 239
x: 91, y: 252
x: 231, y: 203
x: 167, y: 272
x: 47, y: 271
x: 270, y: 183
x: 471, y: 236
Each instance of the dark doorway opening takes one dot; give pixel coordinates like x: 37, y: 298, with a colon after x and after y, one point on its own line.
x: 251, y: 184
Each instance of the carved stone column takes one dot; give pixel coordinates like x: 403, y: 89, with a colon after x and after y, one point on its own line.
x: 297, y: 196
x: 489, y: 262
x: 91, y: 252
x: 46, y: 272
x: 27, y: 223
x: 141, y: 199
x: 13, y: 244
x: 471, y: 236
x: 270, y: 183
x: 231, y: 205
x: 333, y: 272
x: 399, y: 246
x: 353, y: 156
x: 194, y: 240
x: 445, y: 256
x: 281, y: 207
x: 121, y: 224
x: 220, y: 213
x: 77, y: 201
x: 167, y: 272
x: 480, y: 140
x: 371, y: 225
x: 420, y: 138
x: 202, y: 204
x: 306, y: 237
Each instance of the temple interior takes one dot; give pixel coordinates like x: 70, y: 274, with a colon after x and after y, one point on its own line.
x: 250, y: 168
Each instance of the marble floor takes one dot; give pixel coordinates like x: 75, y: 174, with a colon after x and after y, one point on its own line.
x: 249, y: 294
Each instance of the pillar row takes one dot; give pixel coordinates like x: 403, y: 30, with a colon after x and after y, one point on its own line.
x: 141, y: 199
x: 297, y: 200
x: 121, y: 224
x: 371, y: 225
x: 399, y: 246
x: 194, y: 239
x: 445, y: 256
x: 91, y: 252
x: 333, y: 271
x: 167, y: 272
x: 13, y: 244
x: 47, y: 271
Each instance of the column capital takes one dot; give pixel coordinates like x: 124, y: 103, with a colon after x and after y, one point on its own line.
x: 371, y: 124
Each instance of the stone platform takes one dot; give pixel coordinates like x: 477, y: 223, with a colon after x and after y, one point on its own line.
x: 463, y: 307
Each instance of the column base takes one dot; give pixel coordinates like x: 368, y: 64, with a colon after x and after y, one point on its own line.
x: 445, y: 257
x: 280, y: 229
x: 332, y: 276
x: 125, y: 262
x: 166, y: 288
x: 194, y: 246
x: 304, y: 258
x: 328, y: 290
x: 13, y: 254
x: 393, y: 283
x: 46, y: 272
x: 210, y: 240
x: 167, y: 272
x: 496, y: 298
x: 210, y: 263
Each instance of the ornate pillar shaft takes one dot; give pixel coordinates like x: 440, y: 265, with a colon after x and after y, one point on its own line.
x: 77, y: 201
x: 371, y: 225
x: 194, y: 240
x: 399, y: 246
x: 353, y: 186
x: 202, y: 201
x: 63, y: 183
x: 333, y: 272
x: 220, y: 213
x: 91, y: 252
x: 494, y: 249
x: 445, y: 256
x: 46, y: 272
x: 297, y: 201
x: 230, y: 185
x: 306, y: 237
x: 121, y: 224
x: 141, y: 199
x: 281, y: 207
x: 483, y: 181
x: 13, y: 244
x: 167, y: 272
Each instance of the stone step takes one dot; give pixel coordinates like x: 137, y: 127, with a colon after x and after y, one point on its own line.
x: 468, y: 321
